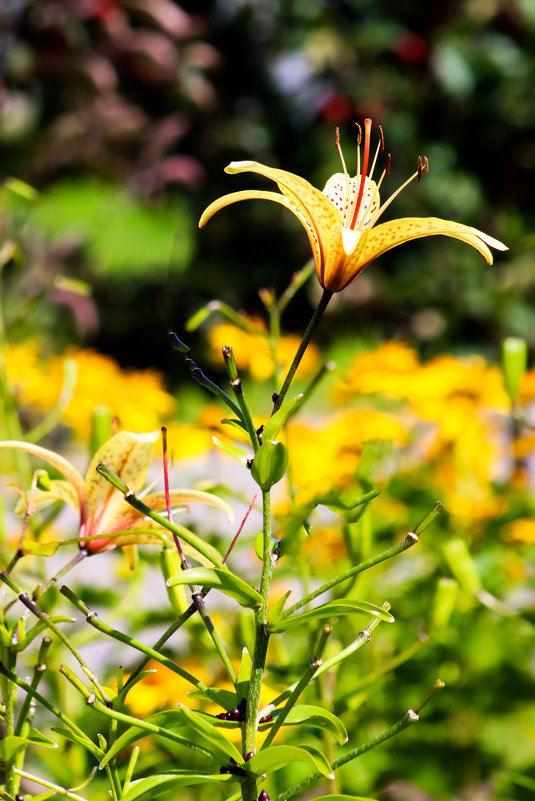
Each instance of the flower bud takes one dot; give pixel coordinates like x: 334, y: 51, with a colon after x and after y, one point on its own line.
x: 270, y: 464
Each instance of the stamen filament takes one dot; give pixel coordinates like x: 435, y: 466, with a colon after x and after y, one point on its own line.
x: 365, y: 159
x: 390, y: 199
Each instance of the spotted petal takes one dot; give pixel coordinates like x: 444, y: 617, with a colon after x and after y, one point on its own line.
x: 252, y: 194
x: 129, y: 456
x: 69, y: 471
x: 395, y: 232
x: 311, y: 202
x: 59, y: 491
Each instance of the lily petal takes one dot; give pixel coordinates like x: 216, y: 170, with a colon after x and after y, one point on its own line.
x: 311, y: 202
x: 395, y: 232
x: 252, y: 194
x: 140, y: 534
x: 59, y: 491
x: 129, y: 456
x: 183, y: 497
x: 69, y: 471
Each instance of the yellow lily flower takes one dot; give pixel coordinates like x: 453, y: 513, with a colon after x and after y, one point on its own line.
x: 101, y: 507
x: 341, y: 220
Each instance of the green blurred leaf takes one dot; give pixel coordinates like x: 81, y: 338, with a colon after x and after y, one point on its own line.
x: 153, y: 786
x: 123, y: 234
x: 277, y: 756
x: 212, y: 737
x: 85, y: 742
x: 222, y: 580
x: 332, y: 609
x: 11, y: 745
x: 314, y: 716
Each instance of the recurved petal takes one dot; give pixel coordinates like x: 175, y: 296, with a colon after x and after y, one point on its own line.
x: 251, y: 194
x: 59, y: 491
x: 246, y: 194
x: 395, y: 232
x: 312, y: 203
x: 183, y: 497
x: 66, y: 468
x: 141, y: 533
x: 129, y: 456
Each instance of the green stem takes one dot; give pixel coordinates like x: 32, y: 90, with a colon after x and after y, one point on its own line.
x: 44, y: 618
x: 250, y: 725
x: 410, y: 539
x: 407, y: 720
x: 93, y: 620
x: 4, y: 671
x: 237, y: 388
x: 131, y: 498
x: 214, y: 634
x: 10, y: 698
x: 307, y: 336
x: 38, y: 673
x: 51, y: 786
x: 308, y: 675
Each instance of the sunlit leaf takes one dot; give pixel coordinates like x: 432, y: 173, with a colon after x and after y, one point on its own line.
x: 153, y: 786
x: 332, y: 609
x: 277, y: 421
x: 232, y: 450
x: 277, y: 756
x: 85, y: 742
x: 223, y: 580
x: 314, y: 716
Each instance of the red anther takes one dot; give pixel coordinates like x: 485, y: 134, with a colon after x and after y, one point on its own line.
x: 388, y: 163
x: 426, y: 165
x: 420, y: 168
x: 337, y: 138
x: 381, y: 134
x: 359, y: 137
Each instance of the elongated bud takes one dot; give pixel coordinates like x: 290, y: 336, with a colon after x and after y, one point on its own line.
x: 514, y: 363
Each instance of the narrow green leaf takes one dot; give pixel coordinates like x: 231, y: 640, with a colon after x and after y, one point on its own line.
x: 40, y: 548
x: 153, y: 786
x: 244, y: 675
x: 223, y: 580
x: 215, y: 739
x: 237, y: 453
x: 11, y: 745
x: 314, y: 716
x: 276, y: 421
x: 85, y: 742
x: 276, y: 609
x: 332, y: 609
x: 341, y: 797
x: 38, y: 628
x: 162, y: 724
x: 232, y: 421
x: 320, y: 760
x: 277, y: 756
x: 336, y: 502
x: 226, y: 698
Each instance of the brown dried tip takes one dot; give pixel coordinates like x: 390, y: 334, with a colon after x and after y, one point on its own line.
x: 420, y: 168
x: 426, y: 165
x: 359, y: 137
x: 381, y: 134
x: 388, y: 163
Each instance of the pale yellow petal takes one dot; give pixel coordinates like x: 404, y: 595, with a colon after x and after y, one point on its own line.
x: 311, y: 202
x: 59, y: 491
x: 183, y: 497
x: 140, y: 533
x: 250, y: 194
x: 390, y: 234
x: 129, y: 456
x: 65, y: 467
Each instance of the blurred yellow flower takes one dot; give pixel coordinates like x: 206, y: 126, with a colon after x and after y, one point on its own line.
x: 327, y: 457
x: 521, y: 531
x: 136, y: 397
x: 252, y: 352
